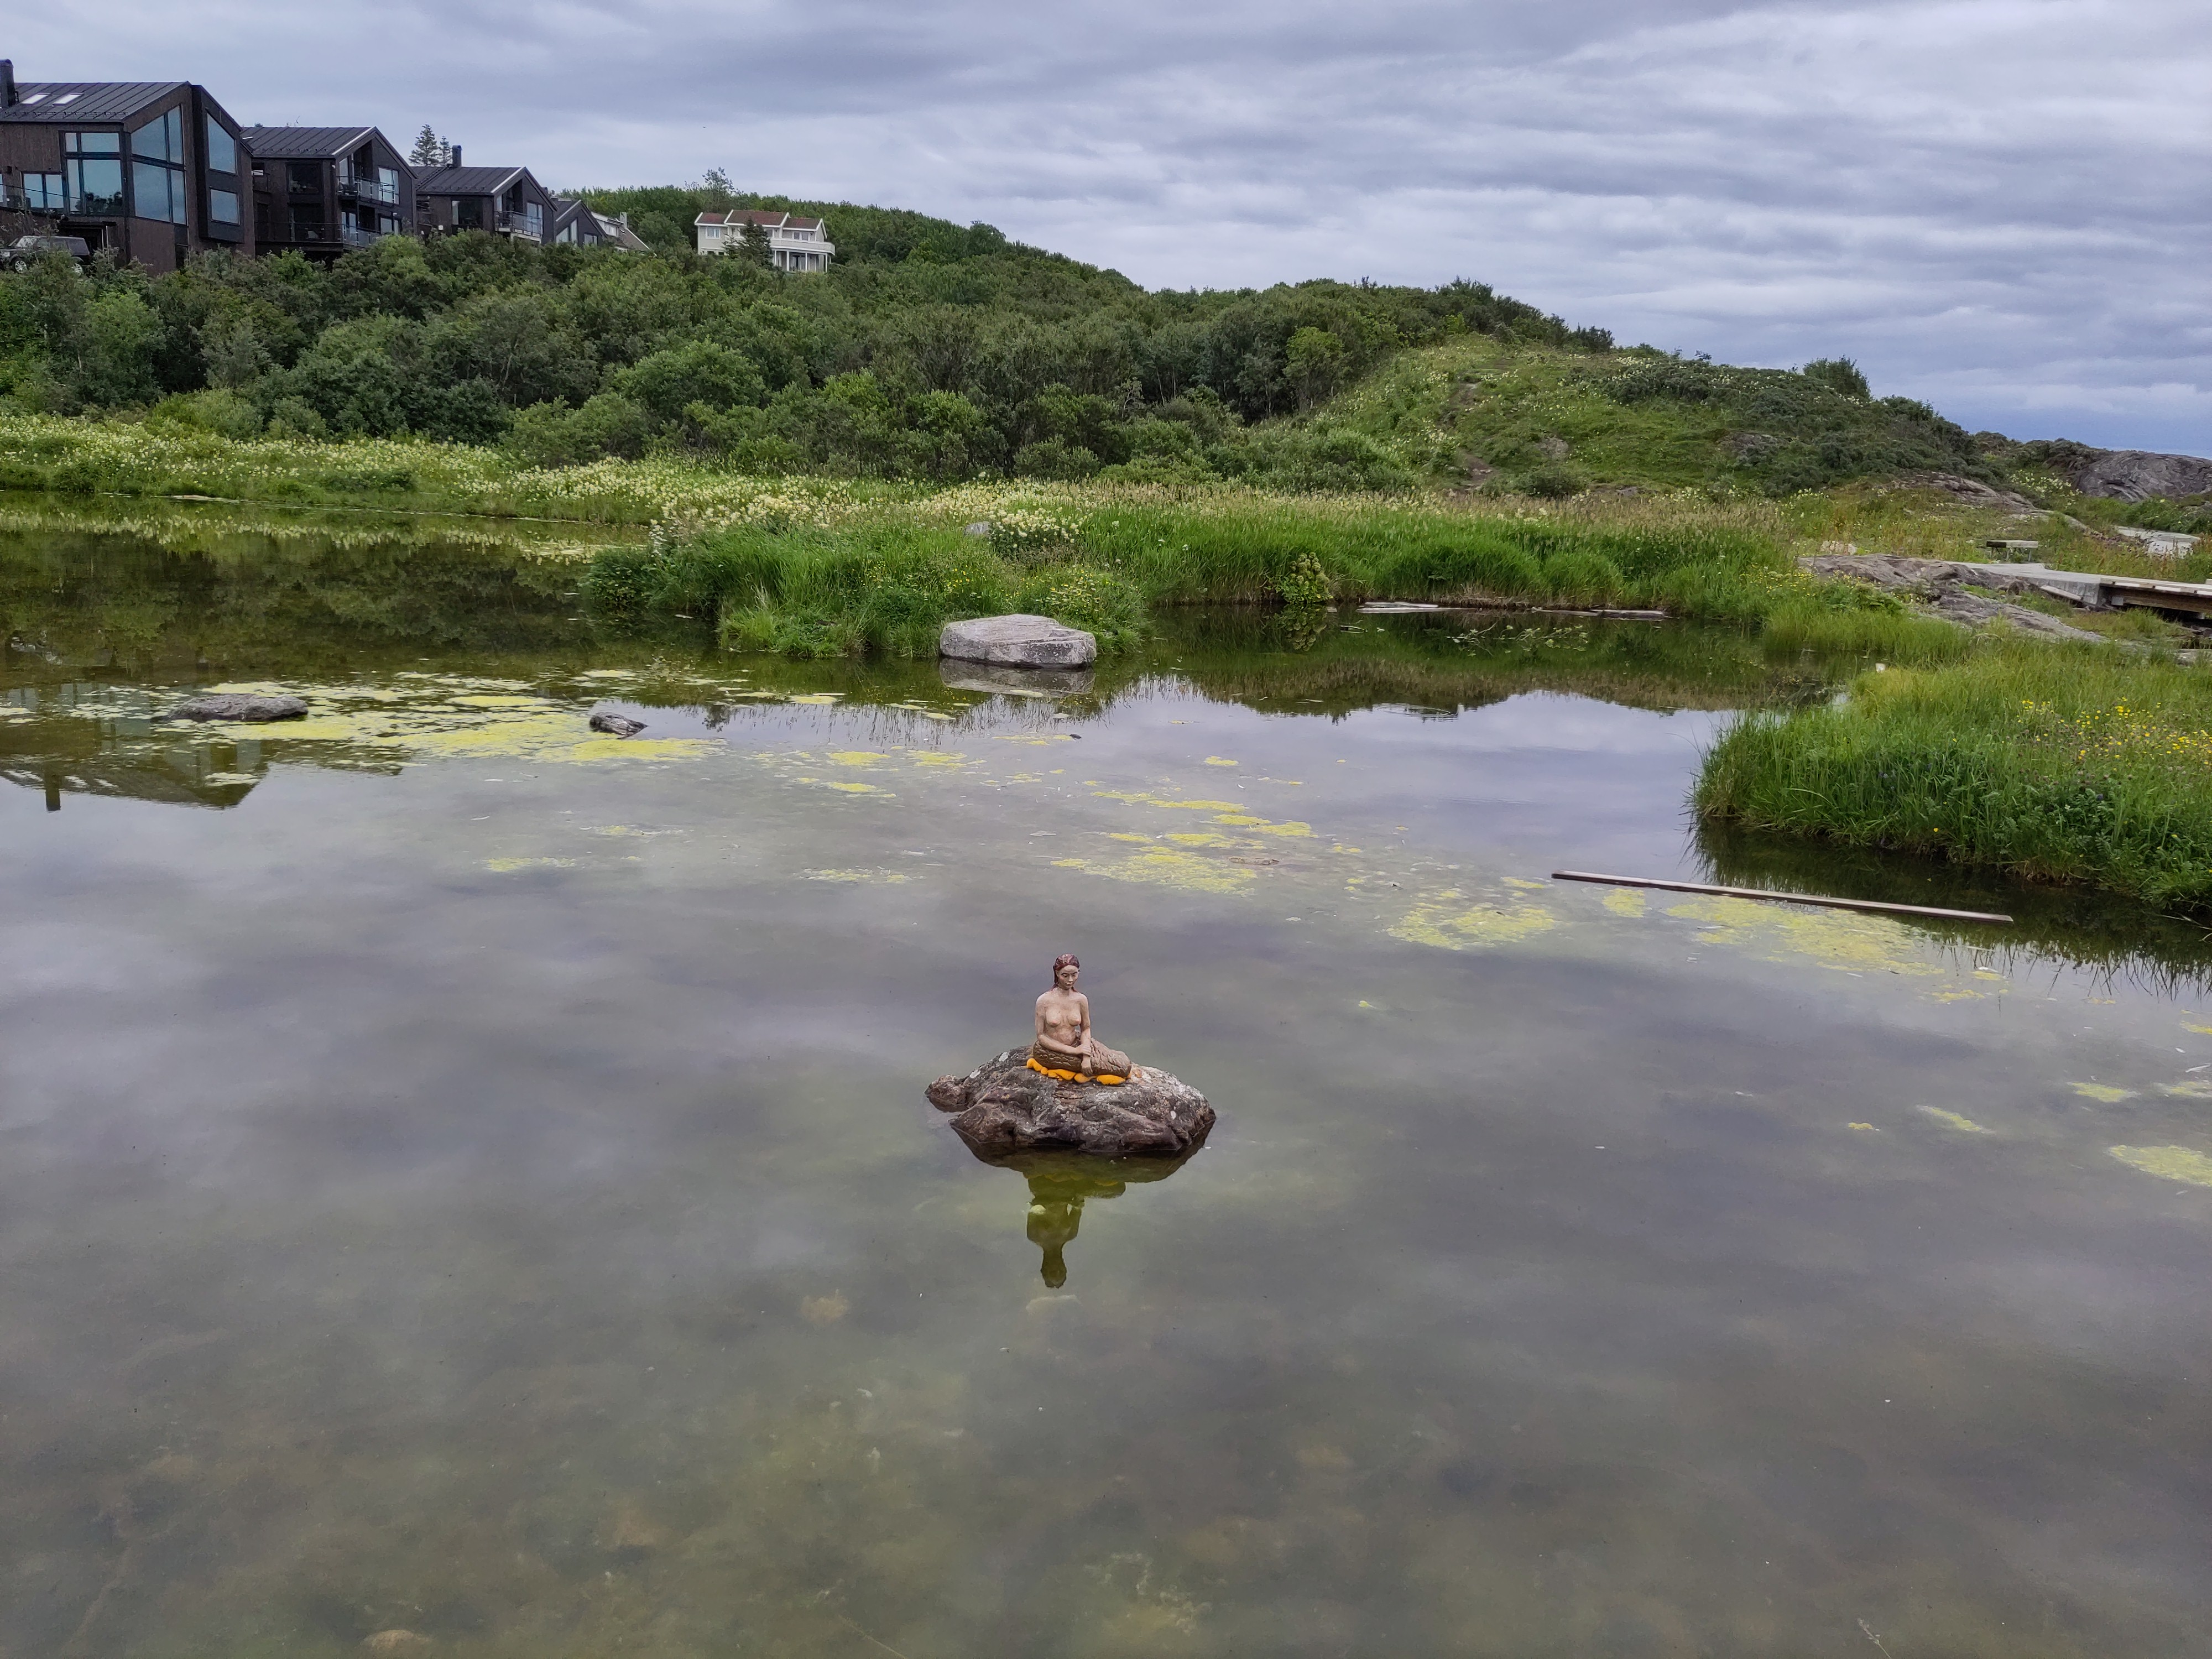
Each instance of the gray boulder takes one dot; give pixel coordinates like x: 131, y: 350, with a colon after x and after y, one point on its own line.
x: 239, y: 706
x: 1002, y: 1106
x: 1019, y: 642
x: 620, y: 726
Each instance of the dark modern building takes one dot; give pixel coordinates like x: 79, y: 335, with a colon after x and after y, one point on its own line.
x: 504, y: 201
x: 582, y: 225
x: 154, y: 170
x: 327, y: 190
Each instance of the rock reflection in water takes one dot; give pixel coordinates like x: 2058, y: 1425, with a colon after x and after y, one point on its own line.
x: 1060, y: 1182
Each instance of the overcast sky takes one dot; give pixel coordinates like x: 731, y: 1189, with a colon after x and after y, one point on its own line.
x: 2002, y: 206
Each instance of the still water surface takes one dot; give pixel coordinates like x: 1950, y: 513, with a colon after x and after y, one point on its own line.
x: 462, y: 1175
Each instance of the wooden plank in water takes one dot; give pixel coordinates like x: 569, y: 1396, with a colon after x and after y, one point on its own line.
x: 1782, y: 898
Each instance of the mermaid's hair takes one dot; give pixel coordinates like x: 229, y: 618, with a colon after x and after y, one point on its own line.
x: 1066, y: 959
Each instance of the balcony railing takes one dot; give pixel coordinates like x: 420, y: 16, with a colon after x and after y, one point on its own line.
x: 367, y: 187
x: 317, y: 234
x: 520, y: 224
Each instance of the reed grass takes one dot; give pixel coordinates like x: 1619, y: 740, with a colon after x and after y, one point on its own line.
x: 2064, y: 763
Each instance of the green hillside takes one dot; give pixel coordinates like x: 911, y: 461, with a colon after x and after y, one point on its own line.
x: 934, y: 353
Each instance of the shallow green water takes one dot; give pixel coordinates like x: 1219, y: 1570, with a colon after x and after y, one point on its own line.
x: 469, y: 1177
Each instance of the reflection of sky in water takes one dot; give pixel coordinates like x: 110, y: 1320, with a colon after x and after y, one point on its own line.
x: 491, y: 1197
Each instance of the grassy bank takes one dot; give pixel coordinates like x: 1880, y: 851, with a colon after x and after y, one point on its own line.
x: 2052, y: 762
x: 884, y: 576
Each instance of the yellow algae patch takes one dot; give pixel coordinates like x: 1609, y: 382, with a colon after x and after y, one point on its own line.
x: 1238, y: 818
x: 851, y: 788
x: 855, y: 757
x: 601, y: 749
x: 1123, y: 835
x: 503, y: 866
x: 1868, y: 1128
x: 1965, y: 1126
x: 477, y: 700
x: 1624, y: 901
x: 2174, y: 1163
x: 1168, y: 867
x: 1442, y: 922
x: 1849, y: 943
x: 1138, y: 798
x: 1526, y: 886
x: 2195, y: 1088
x: 2201, y: 1030
x: 1262, y: 827
x: 1216, y: 759
x: 1200, y: 838
x: 816, y: 699
x: 936, y: 757
x: 824, y: 1310
x: 881, y: 876
x: 2103, y: 1091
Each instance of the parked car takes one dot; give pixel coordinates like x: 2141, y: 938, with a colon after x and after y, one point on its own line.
x: 19, y: 254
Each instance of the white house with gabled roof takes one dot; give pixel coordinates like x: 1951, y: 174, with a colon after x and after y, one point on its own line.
x: 795, y: 242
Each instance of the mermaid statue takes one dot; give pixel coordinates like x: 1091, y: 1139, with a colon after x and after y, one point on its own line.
x: 1066, y: 1047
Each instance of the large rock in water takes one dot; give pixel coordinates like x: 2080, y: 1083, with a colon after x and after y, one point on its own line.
x: 1002, y: 1106
x: 1019, y: 642
x: 239, y: 706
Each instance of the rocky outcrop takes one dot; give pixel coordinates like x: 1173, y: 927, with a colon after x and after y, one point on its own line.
x: 239, y: 706
x: 1002, y: 1106
x: 1942, y: 585
x: 619, y: 725
x: 2136, y: 474
x: 1017, y: 642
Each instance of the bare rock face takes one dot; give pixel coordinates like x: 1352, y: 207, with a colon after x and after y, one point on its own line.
x: 239, y: 706
x: 1003, y: 1107
x: 1019, y: 642
x: 2135, y: 475
x: 620, y: 726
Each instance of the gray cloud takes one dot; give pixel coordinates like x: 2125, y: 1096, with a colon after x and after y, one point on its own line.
x: 1997, y: 205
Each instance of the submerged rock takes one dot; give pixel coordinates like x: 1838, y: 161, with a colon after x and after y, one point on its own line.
x: 239, y: 706
x: 1003, y: 1107
x: 1014, y: 681
x: 1019, y: 642
x: 620, y: 726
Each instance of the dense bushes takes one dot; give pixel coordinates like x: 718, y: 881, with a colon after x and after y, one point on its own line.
x: 1804, y: 429
x: 928, y: 352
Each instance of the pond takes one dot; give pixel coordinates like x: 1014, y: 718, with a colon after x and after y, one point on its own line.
x: 468, y: 1186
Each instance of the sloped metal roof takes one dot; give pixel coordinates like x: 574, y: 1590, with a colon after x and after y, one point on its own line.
x: 61, y: 102
x: 465, y: 181
x: 302, y: 144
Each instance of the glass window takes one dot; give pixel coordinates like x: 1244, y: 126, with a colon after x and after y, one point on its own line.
x: 150, y: 189
x: 92, y: 143
x: 533, y: 215
x: 161, y: 139
x: 221, y: 149
x: 222, y: 207
x: 94, y: 187
x: 43, y: 189
x: 468, y: 213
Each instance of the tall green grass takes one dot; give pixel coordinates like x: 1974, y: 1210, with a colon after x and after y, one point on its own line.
x: 2052, y: 761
